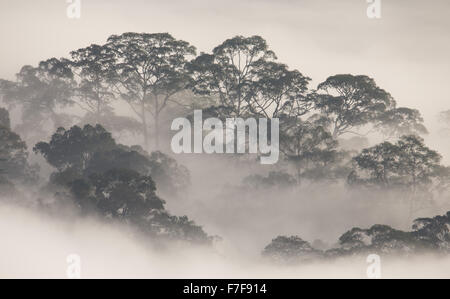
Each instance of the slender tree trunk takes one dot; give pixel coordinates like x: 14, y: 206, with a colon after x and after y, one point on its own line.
x: 299, y: 174
x: 413, y: 196
x: 157, y: 130
x: 156, y: 123
x: 144, y: 126
x: 335, y: 133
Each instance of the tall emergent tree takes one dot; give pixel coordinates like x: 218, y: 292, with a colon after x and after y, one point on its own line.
x: 231, y: 71
x: 92, y: 65
x: 244, y: 77
x: 40, y: 92
x: 352, y: 101
x: 279, y: 92
x: 149, y: 70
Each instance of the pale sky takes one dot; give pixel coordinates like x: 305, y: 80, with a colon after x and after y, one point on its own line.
x: 406, y: 51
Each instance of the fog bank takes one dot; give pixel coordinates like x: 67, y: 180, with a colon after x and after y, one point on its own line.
x: 36, y: 246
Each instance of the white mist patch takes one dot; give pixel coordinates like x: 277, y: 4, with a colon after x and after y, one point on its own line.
x: 36, y: 246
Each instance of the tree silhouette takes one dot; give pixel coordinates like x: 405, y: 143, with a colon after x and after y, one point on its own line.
x: 92, y: 65
x: 40, y: 92
x: 149, y: 70
x: 231, y: 71
x: 401, y: 121
x: 14, y: 164
x: 407, y: 165
x: 306, y: 144
x: 351, y: 102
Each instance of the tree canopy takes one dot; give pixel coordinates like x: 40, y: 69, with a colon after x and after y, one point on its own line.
x: 408, y: 163
x: 14, y: 164
x: 427, y: 235
x: 351, y: 101
x: 149, y: 69
x: 116, y: 181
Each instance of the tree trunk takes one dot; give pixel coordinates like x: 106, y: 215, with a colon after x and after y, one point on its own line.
x: 413, y: 196
x: 144, y: 126
x: 335, y: 134
x: 157, y: 130
x: 299, y: 174
x: 156, y: 118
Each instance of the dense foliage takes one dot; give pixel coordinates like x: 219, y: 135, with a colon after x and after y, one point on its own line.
x: 427, y: 235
